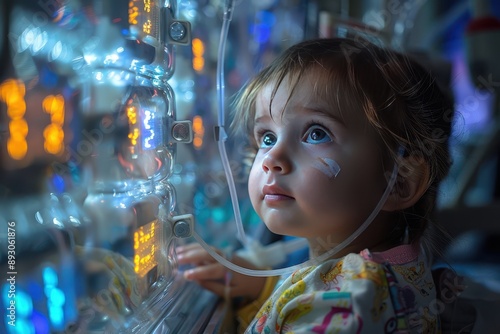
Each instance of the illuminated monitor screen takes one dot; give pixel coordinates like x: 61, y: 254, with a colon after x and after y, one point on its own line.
x: 143, y: 16
x: 147, y: 246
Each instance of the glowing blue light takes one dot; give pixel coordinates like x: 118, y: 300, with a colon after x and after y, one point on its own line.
x: 111, y: 58
x: 90, y: 58
x: 218, y: 215
x: 41, y: 323
x: 40, y: 42
x: 34, y: 290
x: 48, y: 78
x: 58, y: 183
x: 56, y: 317
x: 147, y: 127
x: 267, y: 18
x: 147, y: 119
x: 199, y: 201
x: 24, y: 304
x: 28, y: 38
x: 57, y: 297
x: 262, y: 29
x: 188, y: 96
x: 50, y: 276
x: 23, y: 326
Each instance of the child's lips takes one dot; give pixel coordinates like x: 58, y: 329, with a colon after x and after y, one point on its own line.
x: 273, y: 193
x: 272, y: 198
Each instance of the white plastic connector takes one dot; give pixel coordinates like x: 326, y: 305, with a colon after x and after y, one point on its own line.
x: 183, y: 225
x: 174, y: 31
x: 182, y: 131
x: 270, y: 255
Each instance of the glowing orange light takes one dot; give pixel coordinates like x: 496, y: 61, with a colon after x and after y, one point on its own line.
x: 199, y: 131
x: 147, y: 6
x: 197, y: 142
x: 12, y: 90
x: 133, y: 136
x: 12, y: 94
x: 132, y: 115
x: 54, y: 105
x: 198, y: 124
x: 133, y: 13
x: 146, y: 242
x: 17, y: 148
x: 146, y: 27
x: 198, y: 64
x: 17, y: 108
x: 134, y: 131
x: 198, y: 49
x: 53, y: 133
x: 54, y: 137
x: 18, y: 128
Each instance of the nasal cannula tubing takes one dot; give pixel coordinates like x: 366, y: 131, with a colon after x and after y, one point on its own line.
x: 323, y: 257
x: 221, y: 137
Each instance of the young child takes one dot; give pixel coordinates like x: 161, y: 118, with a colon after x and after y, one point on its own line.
x: 328, y: 118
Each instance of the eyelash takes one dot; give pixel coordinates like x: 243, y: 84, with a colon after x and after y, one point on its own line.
x: 259, y: 136
x: 313, y: 122
x: 259, y: 133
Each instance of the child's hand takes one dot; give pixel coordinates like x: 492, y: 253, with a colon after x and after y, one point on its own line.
x: 212, y: 275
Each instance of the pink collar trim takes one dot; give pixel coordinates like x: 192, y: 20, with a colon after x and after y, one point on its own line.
x: 398, y: 255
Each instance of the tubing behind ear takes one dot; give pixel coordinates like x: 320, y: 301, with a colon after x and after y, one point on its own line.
x: 250, y: 244
x: 319, y: 259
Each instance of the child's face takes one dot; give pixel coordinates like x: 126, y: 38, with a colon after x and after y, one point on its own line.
x: 293, y: 183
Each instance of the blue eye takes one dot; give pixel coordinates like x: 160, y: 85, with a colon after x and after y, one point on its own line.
x: 267, y: 140
x: 317, y: 135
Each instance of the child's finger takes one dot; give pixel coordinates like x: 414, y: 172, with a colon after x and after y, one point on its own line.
x: 195, y: 258
x: 227, y: 291
x: 194, y: 255
x: 187, y: 248
x: 216, y: 287
x: 213, y: 271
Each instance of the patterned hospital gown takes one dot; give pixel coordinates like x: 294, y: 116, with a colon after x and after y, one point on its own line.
x: 386, y: 292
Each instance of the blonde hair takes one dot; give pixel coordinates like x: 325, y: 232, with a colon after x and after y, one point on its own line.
x: 402, y: 103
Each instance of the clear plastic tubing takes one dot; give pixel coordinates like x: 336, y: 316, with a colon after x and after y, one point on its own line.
x: 319, y: 259
x: 222, y: 136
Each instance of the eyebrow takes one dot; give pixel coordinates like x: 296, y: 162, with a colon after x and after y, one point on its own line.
x: 319, y: 111
x: 261, y: 119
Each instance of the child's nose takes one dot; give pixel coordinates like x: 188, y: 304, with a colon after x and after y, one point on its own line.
x: 276, y: 160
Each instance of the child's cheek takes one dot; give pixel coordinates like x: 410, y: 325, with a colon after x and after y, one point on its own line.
x: 327, y: 166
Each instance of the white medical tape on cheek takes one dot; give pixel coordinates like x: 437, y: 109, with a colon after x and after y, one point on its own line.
x: 327, y: 166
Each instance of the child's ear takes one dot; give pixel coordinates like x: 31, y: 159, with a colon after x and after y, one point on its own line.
x: 411, y: 183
